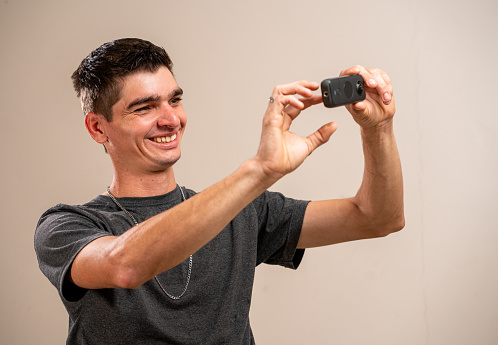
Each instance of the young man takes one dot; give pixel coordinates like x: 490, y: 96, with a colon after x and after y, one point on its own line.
x: 149, y: 262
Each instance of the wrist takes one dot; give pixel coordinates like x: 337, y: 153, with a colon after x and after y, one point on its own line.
x: 258, y: 174
x: 381, y: 128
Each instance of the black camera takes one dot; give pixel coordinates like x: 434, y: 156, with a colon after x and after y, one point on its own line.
x: 343, y: 90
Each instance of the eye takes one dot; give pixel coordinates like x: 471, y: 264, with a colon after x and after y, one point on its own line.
x: 142, y: 109
x: 176, y: 100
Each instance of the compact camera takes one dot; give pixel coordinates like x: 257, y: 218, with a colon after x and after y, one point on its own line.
x: 343, y: 90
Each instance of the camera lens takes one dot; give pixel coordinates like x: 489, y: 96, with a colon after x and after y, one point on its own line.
x: 348, y: 89
x: 359, y: 87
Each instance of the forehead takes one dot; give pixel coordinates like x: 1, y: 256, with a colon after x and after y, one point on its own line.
x: 145, y: 83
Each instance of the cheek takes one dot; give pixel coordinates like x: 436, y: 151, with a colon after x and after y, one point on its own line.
x: 183, y: 119
x: 141, y: 127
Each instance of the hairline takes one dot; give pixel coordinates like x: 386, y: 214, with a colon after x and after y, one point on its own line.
x: 117, y: 87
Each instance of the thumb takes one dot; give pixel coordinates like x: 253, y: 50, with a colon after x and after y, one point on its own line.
x: 321, y: 136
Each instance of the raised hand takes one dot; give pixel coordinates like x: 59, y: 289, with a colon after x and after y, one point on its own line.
x: 378, y: 107
x: 281, y: 151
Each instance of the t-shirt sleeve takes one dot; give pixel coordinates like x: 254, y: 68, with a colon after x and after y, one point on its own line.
x: 280, y: 224
x: 62, y: 232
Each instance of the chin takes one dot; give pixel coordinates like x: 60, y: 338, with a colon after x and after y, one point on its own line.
x: 168, y: 163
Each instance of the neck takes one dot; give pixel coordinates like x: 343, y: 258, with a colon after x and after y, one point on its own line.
x: 150, y: 184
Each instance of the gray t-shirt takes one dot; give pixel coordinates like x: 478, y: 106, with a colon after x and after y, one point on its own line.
x: 215, y: 307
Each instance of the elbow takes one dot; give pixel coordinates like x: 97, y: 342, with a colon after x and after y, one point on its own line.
x: 396, y: 225
x: 124, y: 274
x: 127, y: 278
x: 400, y: 223
x: 390, y: 226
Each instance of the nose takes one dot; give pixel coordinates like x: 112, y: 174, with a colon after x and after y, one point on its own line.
x: 167, y: 117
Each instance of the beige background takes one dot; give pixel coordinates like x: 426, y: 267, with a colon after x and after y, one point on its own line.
x: 435, y: 282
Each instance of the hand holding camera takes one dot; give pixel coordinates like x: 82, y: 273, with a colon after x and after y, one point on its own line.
x: 366, y: 93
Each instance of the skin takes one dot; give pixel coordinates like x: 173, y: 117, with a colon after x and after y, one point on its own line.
x: 145, y: 168
x: 150, y: 107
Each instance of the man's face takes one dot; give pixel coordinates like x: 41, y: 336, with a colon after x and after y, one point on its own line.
x: 147, y: 124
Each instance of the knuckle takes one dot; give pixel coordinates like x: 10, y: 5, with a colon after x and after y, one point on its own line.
x: 373, y: 71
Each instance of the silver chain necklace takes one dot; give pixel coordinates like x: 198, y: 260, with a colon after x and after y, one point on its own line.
x: 155, y: 277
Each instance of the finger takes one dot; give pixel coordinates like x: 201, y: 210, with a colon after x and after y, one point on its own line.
x: 359, y: 106
x: 321, y: 136
x: 284, y: 96
x: 282, y: 102
x: 358, y: 69
x: 374, y: 78
x: 307, y: 102
x: 389, y: 85
x: 379, y: 80
x: 303, y: 88
x: 385, y: 76
x: 313, y: 100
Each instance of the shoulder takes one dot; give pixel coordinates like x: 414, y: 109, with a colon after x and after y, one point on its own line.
x: 92, y: 208
x: 62, y: 218
x: 277, y: 200
x: 275, y: 207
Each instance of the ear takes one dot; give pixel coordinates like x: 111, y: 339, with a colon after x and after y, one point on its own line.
x: 95, y: 125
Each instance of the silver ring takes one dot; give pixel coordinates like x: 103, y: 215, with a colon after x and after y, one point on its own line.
x: 271, y: 99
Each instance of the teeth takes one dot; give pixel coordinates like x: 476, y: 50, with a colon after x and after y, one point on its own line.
x: 164, y: 139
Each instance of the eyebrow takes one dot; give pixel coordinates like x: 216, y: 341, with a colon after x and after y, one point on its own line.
x: 153, y: 98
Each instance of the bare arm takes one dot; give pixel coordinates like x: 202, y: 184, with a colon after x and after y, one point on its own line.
x: 167, y: 239
x: 377, y: 208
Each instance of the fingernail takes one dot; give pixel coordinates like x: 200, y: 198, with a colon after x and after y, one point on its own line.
x: 372, y: 82
x: 387, y: 97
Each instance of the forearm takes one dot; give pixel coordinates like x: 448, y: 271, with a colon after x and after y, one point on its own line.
x: 376, y: 209
x: 380, y: 197
x: 167, y: 239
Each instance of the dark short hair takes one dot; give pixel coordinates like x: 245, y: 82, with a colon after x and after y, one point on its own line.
x: 98, y: 79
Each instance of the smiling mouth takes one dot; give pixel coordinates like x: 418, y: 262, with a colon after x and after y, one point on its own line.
x: 164, y: 139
